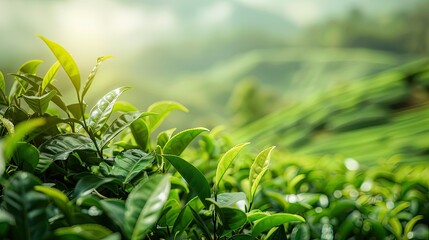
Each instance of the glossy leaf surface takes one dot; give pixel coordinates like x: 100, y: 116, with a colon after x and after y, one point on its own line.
x: 226, y: 161
x: 274, y: 220
x: 178, y: 143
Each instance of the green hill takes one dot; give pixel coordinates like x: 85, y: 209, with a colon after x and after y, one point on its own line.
x: 376, y: 118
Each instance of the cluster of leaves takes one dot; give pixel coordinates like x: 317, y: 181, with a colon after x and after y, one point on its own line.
x: 100, y: 174
x: 341, y: 199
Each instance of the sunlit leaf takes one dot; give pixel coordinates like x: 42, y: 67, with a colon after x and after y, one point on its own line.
x: 49, y: 76
x: 178, y: 143
x: 230, y: 198
x: 144, y: 205
x: 258, y: 169
x: 93, y: 73
x: 410, y: 225
x: 268, y: 222
x: 100, y: 113
x: 163, y: 109
x: 164, y: 137
x: 226, y: 161
x: 66, y: 61
x: 2, y: 84
x: 196, y: 180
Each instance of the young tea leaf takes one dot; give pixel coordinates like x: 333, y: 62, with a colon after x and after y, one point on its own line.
x: 93, y: 73
x: 66, y: 61
x: 163, y: 109
x: 49, y: 76
x: 39, y: 104
x: 258, y: 169
x: 196, y: 180
x: 274, y: 220
x: 144, y: 205
x: 2, y: 84
x: 226, y: 161
x: 100, y: 113
x: 178, y: 143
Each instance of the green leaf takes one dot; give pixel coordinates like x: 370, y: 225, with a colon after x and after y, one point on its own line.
x: 185, y: 216
x: 410, y: 225
x: 7, y: 124
x: 26, y: 156
x: 301, y: 232
x: 9, y: 144
x: 66, y: 61
x: 178, y: 143
x: 258, y: 169
x: 88, y: 183
x: 29, y: 68
x: 226, y: 161
x: 39, y: 104
x: 119, y: 124
x: 59, y: 198
x: 2, y: 84
x: 100, y: 113
x: 27, y: 206
x: 6, y: 221
x: 274, y: 220
x: 87, y: 231
x: 115, y: 210
x: 242, y: 237
x: 164, y: 137
x: 130, y: 163
x: 164, y: 109
x: 60, y: 147
x: 93, y: 73
x: 144, y: 205
x: 49, y: 76
x: 228, y: 199
x: 196, y: 180
x: 233, y: 218
x: 75, y: 109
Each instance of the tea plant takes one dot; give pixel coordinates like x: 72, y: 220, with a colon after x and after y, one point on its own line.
x: 101, y: 174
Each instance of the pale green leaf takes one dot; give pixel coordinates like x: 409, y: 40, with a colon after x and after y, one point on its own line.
x: 93, y: 73
x: 268, y: 222
x: 49, y: 76
x: 163, y: 109
x: 66, y: 61
x: 178, y: 143
x: 88, y: 231
x: 226, y: 161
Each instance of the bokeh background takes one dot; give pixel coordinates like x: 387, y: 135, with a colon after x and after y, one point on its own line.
x: 268, y: 69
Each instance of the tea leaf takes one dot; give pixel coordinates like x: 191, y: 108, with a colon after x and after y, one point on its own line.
x: 100, y: 113
x: 121, y: 123
x: 196, y: 180
x: 163, y: 109
x: 93, y: 73
x: 88, y: 183
x: 178, y: 143
x: 59, y: 198
x: 144, y: 205
x: 410, y: 225
x: 39, y: 104
x: 185, y: 216
x: 26, y: 156
x: 130, y: 163
x: 66, y: 61
x: 49, y: 76
x: 258, y: 169
x: 268, y: 222
x: 89, y: 231
x: 27, y: 206
x: 2, y: 84
x: 115, y: 210
x: 226, y: 161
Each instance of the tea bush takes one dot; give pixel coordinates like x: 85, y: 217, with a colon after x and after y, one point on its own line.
x: 101, y: 174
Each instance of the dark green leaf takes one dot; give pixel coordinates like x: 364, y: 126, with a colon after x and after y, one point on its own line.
x: 88, y: 183
x: 274, y: 220
x: 196, y: 180
x: 185, y: 216
x: 59, y: 198
x: 6, y: 221
x: 76, y: 110
x: 301, y: 232
x: 100, y: 113
x: 226, y: 161
x: 60, y: 147
x: 163, y: 109
x: 144, y: 206
x: 39, y: 104
x: 26, y: 156
x: 233, y: 218
x: 178, y: 143
x: 242, y: 237
x: 130, y: 163
x: 27, y: 206
x: 66, y: 61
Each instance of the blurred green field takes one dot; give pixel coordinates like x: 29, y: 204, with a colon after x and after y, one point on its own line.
x: 376, y: 118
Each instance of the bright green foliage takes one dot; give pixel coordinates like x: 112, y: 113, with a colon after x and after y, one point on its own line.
x: 101, y: 174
